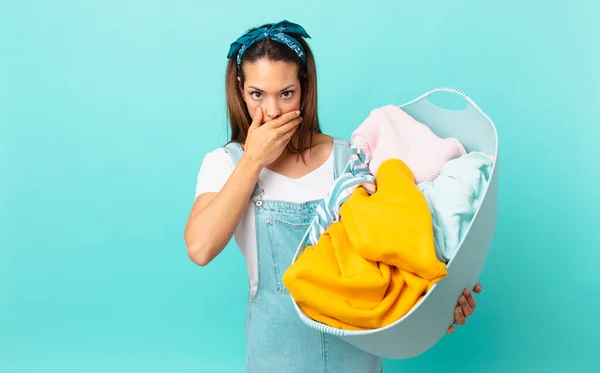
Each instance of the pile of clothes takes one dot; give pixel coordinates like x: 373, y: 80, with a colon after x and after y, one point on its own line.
x: 390, y: 224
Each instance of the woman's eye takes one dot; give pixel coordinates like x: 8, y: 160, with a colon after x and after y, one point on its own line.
x: 287, y: 94
x: 256, y: 95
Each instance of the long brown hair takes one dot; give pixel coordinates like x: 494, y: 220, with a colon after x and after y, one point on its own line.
x: 237, y: 113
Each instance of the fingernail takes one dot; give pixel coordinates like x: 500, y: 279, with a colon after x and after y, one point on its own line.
x: 257, y: 110
x: 467, y: 292
x: 458, y: 309
x: 462, y: 299
x: 297, y: 112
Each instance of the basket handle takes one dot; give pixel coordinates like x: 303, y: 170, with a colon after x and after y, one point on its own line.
x: 447, y: 89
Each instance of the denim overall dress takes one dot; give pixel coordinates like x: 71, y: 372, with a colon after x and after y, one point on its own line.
x: 277, y: 340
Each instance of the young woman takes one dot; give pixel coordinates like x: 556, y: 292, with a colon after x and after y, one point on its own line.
x: 263, y: 187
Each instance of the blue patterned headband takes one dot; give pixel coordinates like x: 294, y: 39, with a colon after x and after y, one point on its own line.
x: 278, y: 32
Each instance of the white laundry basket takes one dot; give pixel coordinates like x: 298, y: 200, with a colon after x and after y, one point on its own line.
x: 423, y: 326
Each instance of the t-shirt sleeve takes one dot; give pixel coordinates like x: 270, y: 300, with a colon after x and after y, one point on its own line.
x: 214, y: 172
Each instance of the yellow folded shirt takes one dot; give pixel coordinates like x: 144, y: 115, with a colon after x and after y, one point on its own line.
x: 371, y: 267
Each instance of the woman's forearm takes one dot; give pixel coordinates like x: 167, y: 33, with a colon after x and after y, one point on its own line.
x: 215, y: 216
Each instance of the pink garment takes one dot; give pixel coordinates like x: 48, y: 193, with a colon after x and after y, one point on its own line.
x: 389, y: 132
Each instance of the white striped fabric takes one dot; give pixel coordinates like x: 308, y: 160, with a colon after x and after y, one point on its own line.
x: 355, y: 174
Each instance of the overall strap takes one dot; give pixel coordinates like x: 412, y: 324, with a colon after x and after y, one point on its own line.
x: 235, y: 152
x: 341, y: 151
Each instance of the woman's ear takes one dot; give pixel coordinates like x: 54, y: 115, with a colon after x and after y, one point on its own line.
x: 240, y: 85
x: 241, y: 88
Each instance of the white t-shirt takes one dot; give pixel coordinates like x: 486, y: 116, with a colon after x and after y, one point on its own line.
x: 214, y: 172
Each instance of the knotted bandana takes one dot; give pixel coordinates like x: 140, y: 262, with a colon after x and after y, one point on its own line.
x: 278, y: 32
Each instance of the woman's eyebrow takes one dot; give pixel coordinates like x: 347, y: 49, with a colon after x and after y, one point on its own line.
x: 284, y: 89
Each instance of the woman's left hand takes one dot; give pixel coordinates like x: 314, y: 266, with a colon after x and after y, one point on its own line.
x: 465, y: 307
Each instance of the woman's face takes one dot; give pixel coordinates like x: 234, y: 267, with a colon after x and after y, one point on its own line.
x: 273, y: 86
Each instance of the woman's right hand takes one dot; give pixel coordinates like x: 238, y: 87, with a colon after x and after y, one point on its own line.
x: 265, y: 142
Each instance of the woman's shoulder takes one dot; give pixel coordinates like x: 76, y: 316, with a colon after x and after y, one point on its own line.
x: 328, y: 141
x: 215, y: 153
x: 215, y: 168
x: 325, y: 138
x: 322, y: 138
x: 327, y: 144
x: 217, y: 157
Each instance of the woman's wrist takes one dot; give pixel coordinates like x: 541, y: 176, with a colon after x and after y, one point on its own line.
x: 250, y: 165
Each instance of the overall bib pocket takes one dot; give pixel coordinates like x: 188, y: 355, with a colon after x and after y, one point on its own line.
x: 280, y: 253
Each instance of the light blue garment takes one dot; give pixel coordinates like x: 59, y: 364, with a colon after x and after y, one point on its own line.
x: 355, y: 173
x: 453, y: 198
x: 277, y: 340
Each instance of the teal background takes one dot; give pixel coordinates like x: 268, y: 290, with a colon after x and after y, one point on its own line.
x: 107, y: 108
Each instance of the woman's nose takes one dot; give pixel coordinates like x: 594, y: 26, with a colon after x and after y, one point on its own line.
x: 272, y: 109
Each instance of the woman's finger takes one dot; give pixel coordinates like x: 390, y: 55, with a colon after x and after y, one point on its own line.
x: 286, y: 136
x: 451, y: 329
x: 289, y: 127
x: 258, y: 118
x: 285, y: 118
x: 470, y: 299
x: 459, y: 318
x: 466, y: 308
x: 477, y: 288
